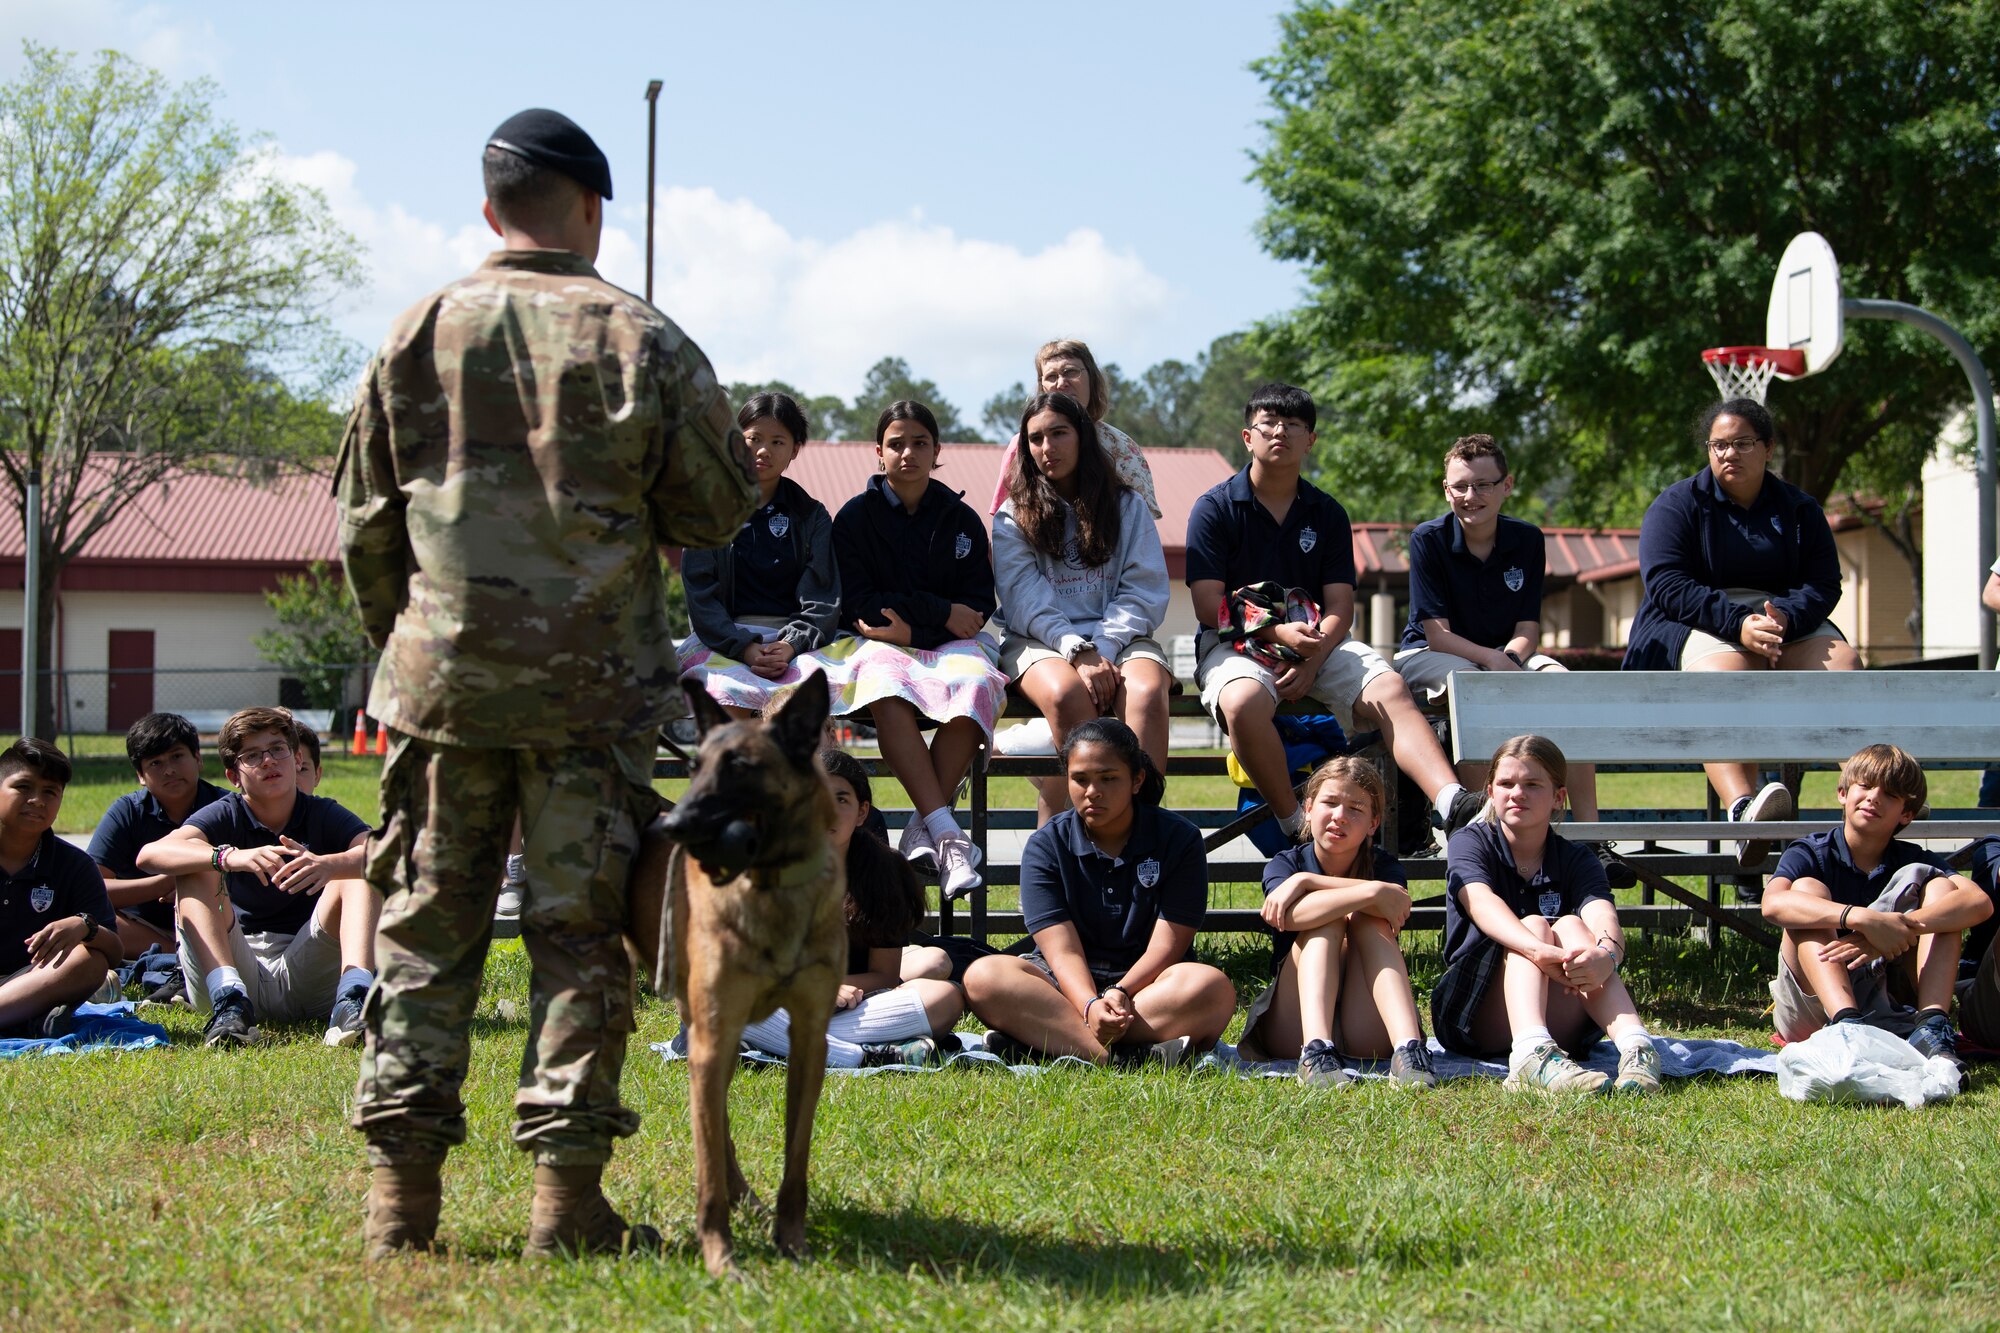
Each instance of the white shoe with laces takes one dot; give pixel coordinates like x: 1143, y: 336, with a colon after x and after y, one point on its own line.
x: 957, y: 861
x: 916, y: 844
x: 1773, y: 802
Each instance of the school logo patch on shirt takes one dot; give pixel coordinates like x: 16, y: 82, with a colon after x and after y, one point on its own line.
x: 1551, y: 904
x: 41, y: 897
x: 1514, y: 578
x: 1149, y: 873
x: 963, y: 546
x: 780, y: 524
x: 1778, y: 525
x: 1307, y: 540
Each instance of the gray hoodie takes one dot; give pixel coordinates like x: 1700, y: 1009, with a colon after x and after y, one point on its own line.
x: 1062, y: 605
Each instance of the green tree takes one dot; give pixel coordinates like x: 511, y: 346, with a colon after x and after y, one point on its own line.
x: 319, y: 637
x: 1002, y: 413
x: 163, y: 301
x: 890, y: 380
x: 1528, y: 218
x: 826, y: 415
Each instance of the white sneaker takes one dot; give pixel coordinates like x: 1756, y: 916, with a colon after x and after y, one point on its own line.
x: 511, y: 900
x: 1773, y: 802
x: 916, y: 844
x: 957, y: 858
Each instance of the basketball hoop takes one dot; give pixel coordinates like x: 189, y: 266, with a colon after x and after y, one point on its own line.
x: 1746, y: 372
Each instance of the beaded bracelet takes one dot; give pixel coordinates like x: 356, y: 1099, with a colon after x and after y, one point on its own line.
x: 220, y: 852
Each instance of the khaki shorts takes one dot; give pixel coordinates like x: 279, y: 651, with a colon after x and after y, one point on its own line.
x: 1797, y: 1015
x: 1700, y: 645
x: 288, y: 977
x: 1018, y: 653
x: 1428, y: 672
x: 1347, y: 671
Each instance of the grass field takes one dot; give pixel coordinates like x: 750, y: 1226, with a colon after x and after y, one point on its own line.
x: 196, y: 1189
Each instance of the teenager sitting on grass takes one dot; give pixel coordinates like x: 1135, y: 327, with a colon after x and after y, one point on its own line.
x: 879, y: 1018
x: 1083, y: 585
x: 1476, y: 603
x: 1113, y: 891
x: 1268, y: 525
x: 165, y: 751
x: 58, y: 934
x: 310, y: 769
x: 294, y: 934
x: 1530, y: 910
x: 1873, y: 924
x: 1339, y: 983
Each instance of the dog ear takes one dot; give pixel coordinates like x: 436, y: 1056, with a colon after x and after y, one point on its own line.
x: 708, y: 714
x: 801, y: 719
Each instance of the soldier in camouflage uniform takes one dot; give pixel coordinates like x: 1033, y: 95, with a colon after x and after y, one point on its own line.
x: 523, y: 444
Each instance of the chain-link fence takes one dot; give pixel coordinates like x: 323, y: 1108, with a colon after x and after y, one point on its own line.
x: 111, y: 700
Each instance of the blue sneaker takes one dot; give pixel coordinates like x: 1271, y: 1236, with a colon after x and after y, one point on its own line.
x: 343, y: 1027
x: 1934, y: 1037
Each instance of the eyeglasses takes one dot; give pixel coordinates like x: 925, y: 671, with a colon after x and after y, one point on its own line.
x: 1465, y: 490
x: 1271, y: 430
x: 259, y: 758
x: 1742, y: 444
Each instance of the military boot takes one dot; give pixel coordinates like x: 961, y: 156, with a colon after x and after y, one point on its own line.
x: 402, y: 1211
x: 572, y: 1216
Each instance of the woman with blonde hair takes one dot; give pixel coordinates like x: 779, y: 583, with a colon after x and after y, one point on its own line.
x: 1339, y: 984
x: 1065, y: 365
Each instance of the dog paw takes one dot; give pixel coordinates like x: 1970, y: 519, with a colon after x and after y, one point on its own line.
x: 721, y: 1263
x: 791, y: 1242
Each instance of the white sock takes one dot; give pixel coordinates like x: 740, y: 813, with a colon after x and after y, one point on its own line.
x: 1526, y: 1040
x: 1293, y: 822
x: 940, y: 825
x: 1446, y: 795
x: 773, y: 1036
x: 223, y: 980
x: 1634, y: 1040
x: 350, y: 977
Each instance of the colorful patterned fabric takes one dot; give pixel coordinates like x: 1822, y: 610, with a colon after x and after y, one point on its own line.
x: 733, y: 684
x: 1250, y: 609
x: 961, y: 679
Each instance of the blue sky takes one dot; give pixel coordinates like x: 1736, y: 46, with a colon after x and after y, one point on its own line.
x: 838, y: 182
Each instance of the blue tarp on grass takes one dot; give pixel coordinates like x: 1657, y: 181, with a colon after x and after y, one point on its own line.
x: 99, y: 1027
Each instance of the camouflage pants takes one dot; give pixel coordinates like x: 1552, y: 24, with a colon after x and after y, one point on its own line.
x: 447, y: 816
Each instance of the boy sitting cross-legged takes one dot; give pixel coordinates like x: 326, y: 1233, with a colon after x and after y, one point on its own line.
x: 1267, y: 524
x: 294, y: 935
x: 57, y: 932
x: 165, y: 751
x: 1871, y: 922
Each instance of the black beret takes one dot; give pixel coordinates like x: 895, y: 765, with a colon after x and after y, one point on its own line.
x: 551, y: 139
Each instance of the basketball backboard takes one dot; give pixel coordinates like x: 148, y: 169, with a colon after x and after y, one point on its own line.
x: 1805, y: 310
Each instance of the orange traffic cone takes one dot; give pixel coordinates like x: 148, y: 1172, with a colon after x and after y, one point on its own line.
x: 381, y: 738
x: 360, y: 745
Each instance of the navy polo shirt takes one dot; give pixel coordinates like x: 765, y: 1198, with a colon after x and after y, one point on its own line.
x: 1115, y: 902
x: 320, y: 825
x: 135, y: 819
x: 1570, y: 876
x: 1824, y: 857
x: 1304, y: 858
x: 58, y: 881
x: 767, y: 566
x: 1234, y: 539
x: 1985, y: 872
x: 1483, y: 599
x: 1750, y: 548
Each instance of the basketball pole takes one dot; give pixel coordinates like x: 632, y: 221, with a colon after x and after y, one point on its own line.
x: 652, y: 152
x: 1982, y: 407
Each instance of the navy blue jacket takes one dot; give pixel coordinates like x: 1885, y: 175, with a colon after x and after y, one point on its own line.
x: 916, y: 564
x: 709, y: 576
x: 1685, y: 574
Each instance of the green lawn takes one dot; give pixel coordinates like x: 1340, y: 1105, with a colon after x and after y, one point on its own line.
x: 197, y: 1189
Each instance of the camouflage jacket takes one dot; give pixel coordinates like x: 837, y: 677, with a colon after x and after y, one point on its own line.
x: 522, y: 445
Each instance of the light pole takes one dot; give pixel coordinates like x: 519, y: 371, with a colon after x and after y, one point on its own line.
x: 652, y: 147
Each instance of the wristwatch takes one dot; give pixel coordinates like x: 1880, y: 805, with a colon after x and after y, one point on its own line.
x: 89, y: 926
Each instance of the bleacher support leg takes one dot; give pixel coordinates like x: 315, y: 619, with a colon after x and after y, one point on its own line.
x: 976, y: 798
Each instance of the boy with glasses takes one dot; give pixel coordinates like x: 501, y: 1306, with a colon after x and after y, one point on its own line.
x: 294, y: 935
x: 1476, y: 602
x: 1268, y: 525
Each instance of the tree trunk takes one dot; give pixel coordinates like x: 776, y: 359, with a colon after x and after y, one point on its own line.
x: 49, y: 699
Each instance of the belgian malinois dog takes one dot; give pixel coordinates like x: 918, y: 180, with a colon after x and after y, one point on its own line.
x: 754, y: 920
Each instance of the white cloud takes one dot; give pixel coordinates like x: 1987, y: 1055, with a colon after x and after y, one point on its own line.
x: 765, y: 303
x: 178, y: 48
